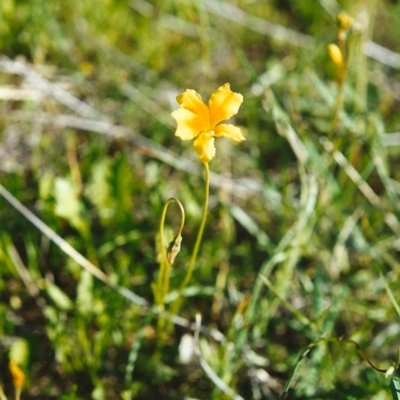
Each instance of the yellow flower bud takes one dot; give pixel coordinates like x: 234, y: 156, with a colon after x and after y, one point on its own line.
x: 344, y: 21
x: 17, y: 374
x: 335, y: 54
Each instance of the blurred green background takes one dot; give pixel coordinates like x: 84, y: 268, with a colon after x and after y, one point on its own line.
x: 309, y: 201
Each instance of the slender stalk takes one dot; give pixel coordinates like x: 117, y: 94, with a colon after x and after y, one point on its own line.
x: 344, y: 45
x: 200, y: 232
x: 177, y: 303
x: 366, y: 11
x: 159, y: 296
x: 2, y: 395
x: 161, y: 289
x: 18, y: 391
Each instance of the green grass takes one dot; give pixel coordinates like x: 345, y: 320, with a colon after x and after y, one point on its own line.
x: 296, y: 282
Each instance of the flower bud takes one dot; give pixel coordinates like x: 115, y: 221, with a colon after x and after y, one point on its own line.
x: 335, y: 54
x: 173, y: 249
x: 344, y: 21
x: 17, y: 374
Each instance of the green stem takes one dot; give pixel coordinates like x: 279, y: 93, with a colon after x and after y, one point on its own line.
x: 199, y: 234
x: 165, y: 264
x: 341, y: 76
x: 162, y: 287
x: 177, y: 303
x: 2, y: 395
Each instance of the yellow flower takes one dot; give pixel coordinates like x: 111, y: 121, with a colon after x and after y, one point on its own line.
x: 200, y: 122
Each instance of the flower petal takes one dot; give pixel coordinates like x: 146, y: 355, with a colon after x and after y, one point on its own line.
x: 230, y: 131
x: 204, y: 146
x: 191, y: 100
x: 189, y: 124
x: 223, y: 104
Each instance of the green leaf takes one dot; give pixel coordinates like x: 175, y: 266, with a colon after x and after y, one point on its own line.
x: 60, y: 299
x: 68, y: 205
x: 19, y: 351
x: 99, y: 189
x: 122, y: 182
x: 84, y: 299
x: 395, y: 388
x: 99, y: 392
x: 70, y: 394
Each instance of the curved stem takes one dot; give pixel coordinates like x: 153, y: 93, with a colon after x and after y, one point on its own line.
x: 167, y: 257
x: 200, y: 232
x: 162, y: 223
x: 177, y: 303
x: 165, y: 263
